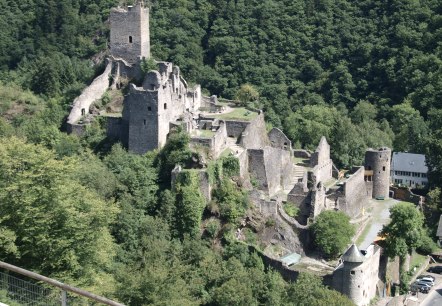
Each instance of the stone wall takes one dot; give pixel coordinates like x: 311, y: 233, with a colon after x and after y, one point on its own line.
x: 404, y: 194
x: 140, y: 114
x: 235, y: 128
x: 321, y: 163
x: 257, y: 168
x: 318, y: 200
x: 115, y: 128
x: 129, y: 34
x: 279, y: 140
x: 90, y: 94
x: 355, y: 193
x: 203, y: 177
x: 300, y: 196
x: 254, y: 135
x: 299, y: 153
x: 243, y: 164
x: 220, y: 139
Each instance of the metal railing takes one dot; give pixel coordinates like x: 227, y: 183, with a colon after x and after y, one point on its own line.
x: 28, y: 293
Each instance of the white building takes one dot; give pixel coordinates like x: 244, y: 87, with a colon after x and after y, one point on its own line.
x: 409, y: 169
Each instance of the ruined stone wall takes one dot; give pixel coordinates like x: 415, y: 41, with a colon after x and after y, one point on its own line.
x: 287, y: 168
x: 235, y: 128
x: 123, y: 71
x: 358, y: 280
x: 203, y: 179
x: 90, y: 94
x: 300, y: 196
x: 115, y: 128
x: 243, y: 164
x: 129, y: 34
x: 254, y: 135
x: 321, y: 163
x: 272, y: 159
x: 355, y: 193
x: 257, y: 168
x: 318, y: 200
x: 220, y: 140
x: 279, y: 140
x: 140, y: 114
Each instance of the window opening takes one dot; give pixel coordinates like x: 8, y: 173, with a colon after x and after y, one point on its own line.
x: 165, y: 105
x: 130, y: 39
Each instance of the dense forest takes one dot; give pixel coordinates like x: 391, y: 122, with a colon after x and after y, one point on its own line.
x: 363, y: 73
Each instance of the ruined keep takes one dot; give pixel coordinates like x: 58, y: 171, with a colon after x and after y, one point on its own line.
x: 129, y: 33
x: 377, y: 171
x: 358, y: 274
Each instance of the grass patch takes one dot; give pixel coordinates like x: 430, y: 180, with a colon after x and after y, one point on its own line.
x: 203, y: 133
x: 364, y: 233
x: 416, y: 261
x: 239, y: 113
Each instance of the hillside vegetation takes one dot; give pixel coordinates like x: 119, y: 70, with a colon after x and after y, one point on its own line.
x: 362, y: 73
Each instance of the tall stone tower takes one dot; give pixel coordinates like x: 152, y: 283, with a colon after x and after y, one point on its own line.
x: 357, y: 275
x: 377, y: 165
x: 129, y: 35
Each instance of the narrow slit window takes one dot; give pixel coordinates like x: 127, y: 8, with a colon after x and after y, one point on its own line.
x: 383, y: 168
x: 149, y: 108
x: 130, y: 39
x: 144, y: 121
x: 165, y: 105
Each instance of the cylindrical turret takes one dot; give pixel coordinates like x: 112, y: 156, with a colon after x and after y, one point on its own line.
x: 353, y: 275
x: 378, y: 161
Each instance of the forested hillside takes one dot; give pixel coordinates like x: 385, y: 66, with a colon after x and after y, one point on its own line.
x: 362, y: 73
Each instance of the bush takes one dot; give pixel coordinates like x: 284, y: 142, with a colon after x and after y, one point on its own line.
x: 333, y: 232
x: 427, y: 246
x: 213, y: 226
x: 291, y: 210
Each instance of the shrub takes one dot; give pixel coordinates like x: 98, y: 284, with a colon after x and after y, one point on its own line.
x: 333, y: 232
x: 427, y: 245
x: 213, y: 226
x: 291, y: 210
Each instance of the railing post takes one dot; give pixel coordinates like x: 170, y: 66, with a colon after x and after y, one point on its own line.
x: 64, y: 298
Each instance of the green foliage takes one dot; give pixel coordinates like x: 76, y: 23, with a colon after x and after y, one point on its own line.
x: 51, y: 223
x: 231, y: 200
x: 246, y: 94
x: 308, y: 290
x: 426, y: 245
x: 213, y: 227
x: 148, y: 65
x: 333, y: 232
x: 404, y: 232
x: 230, y: 166
x: 190, y: 204
x: 291, y: 210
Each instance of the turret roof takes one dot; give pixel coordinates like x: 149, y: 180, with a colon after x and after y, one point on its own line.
x: 353, y: 255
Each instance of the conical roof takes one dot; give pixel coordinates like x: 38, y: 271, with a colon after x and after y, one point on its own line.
x: 353, y: 255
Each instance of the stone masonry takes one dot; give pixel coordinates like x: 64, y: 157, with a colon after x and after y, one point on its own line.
x: 129, y: 34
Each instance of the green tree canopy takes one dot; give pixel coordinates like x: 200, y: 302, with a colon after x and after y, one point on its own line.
x: 333, y: 232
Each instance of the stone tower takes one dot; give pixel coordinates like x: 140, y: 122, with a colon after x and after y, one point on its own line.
x: 357, y: 275
x: 377, y: 165
x: 129, y: 34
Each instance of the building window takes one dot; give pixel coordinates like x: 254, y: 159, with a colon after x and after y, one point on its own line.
x: 352, y: 272
x: 144, y: 121
x: 149, y: 108
x: 83, y: 112
x: 130, y: 39
x: 424, y: 175
x: 383, y: 168
x: 165, y: 105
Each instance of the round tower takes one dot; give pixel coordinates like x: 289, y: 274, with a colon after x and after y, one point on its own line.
x: 353, y: 275
x: 377, y: 167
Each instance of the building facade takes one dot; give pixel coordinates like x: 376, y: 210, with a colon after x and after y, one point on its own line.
x: 409, y: 169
